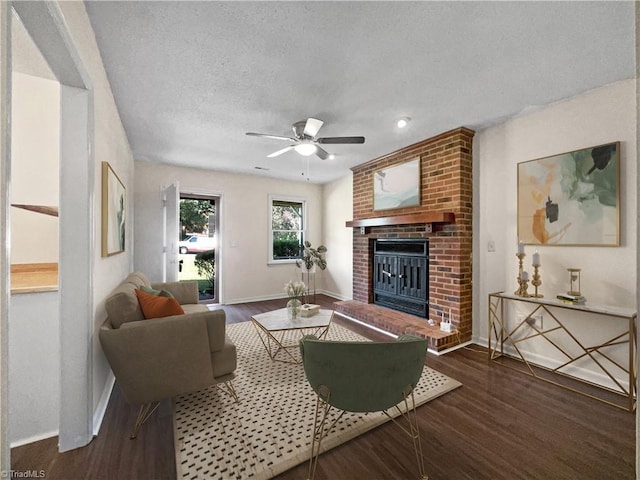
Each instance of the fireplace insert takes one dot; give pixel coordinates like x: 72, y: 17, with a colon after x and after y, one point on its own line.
x: 401, y: 274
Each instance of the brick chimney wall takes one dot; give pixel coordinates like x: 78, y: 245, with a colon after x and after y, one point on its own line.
x: 446, y: 186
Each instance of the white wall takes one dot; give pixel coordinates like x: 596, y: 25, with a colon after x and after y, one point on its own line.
x: 242, y: 259
x: 637, y: 105
x: 35, y: 343
x: 34, y: 350
x: 5, y: 162
x: 35, y: 149
x: 609, y: 275
x: 34, y: 367
x: 111, y: 145
x: 337, y: 208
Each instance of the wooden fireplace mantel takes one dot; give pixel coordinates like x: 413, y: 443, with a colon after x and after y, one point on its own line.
x: 426, y: 217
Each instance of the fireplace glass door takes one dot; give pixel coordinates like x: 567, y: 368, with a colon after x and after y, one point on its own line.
x: 401, y: 275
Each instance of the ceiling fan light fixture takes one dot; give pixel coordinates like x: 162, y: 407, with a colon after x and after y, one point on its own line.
x: 306, y: 149
x: 402, y: 122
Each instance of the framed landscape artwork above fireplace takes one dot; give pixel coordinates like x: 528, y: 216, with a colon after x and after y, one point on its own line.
x: 397, y: 186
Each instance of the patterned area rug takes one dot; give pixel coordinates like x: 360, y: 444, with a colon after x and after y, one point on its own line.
x: 269, y: 431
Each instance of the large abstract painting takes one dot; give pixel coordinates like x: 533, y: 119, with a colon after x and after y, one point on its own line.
x: 113, y: 212
x: 571, y: 199
x: 397, y: 186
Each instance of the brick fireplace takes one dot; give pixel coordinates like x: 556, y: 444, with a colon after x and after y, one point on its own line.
x: 444, y: 217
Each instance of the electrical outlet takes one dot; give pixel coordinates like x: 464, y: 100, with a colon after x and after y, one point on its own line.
x: 535, y: 320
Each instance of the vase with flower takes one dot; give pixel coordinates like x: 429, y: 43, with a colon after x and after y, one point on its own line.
x: 294, y: 290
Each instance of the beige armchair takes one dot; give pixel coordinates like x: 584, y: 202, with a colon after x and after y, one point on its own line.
x: 164, y: 357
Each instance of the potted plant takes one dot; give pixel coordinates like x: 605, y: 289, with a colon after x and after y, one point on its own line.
x: 311, y: 257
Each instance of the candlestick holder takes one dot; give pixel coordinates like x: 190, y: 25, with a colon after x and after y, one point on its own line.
x: 522, y: 289
x: 520, y: 270
x: 536, y: 281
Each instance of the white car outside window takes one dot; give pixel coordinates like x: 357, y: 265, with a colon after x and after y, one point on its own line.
x: 197, y: 244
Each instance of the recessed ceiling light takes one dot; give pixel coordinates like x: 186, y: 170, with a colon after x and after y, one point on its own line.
x: 331, y: 156
x: 402, y: 122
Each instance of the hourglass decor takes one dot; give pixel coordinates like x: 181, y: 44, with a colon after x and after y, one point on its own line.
x: 574, y: 282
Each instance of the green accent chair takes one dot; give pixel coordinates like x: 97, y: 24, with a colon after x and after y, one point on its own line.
x: 364, y: 377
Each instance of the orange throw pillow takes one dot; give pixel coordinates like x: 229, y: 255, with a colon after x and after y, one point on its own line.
x: 154, y: 306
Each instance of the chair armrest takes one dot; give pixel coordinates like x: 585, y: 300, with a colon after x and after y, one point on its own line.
x: 185, y: 292
x: 216, y: 328
x: 159, y: 358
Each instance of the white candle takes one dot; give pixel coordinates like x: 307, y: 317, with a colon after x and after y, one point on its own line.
x: 524, y: 276
x: 536, y: 259
x: 520, y: 248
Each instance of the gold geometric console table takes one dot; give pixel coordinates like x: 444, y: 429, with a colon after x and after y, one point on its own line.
x: 618, y: 329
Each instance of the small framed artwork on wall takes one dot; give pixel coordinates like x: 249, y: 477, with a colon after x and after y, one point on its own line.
x: 397, y: 186
x: 113, y: 212
x: 572, y: 198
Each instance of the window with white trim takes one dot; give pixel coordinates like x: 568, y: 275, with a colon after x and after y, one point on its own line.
x: 286, y: 228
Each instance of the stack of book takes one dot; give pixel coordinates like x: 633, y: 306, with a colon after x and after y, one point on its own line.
x: 571, y: 299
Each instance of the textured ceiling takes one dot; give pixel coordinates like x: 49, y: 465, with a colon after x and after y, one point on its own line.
x: 190, y: 78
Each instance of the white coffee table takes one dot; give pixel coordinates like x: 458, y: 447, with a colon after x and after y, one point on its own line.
x: 281, y: 336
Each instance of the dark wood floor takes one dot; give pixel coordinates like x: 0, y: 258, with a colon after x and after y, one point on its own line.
x: 499, y: 425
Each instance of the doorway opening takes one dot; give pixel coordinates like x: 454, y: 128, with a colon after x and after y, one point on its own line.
x: 198, y: 244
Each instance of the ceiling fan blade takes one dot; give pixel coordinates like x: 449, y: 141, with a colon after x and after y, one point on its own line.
x: 321, y: 153
x: 312, y: 127
x: 266, y: 135
x: 335, y: 140
x: 280, y: 152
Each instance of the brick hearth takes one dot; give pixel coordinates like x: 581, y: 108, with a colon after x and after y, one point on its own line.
x: 396, y: 322
x: 446, y: 186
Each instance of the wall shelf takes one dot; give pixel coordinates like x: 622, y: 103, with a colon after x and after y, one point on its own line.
x: 411, y: 219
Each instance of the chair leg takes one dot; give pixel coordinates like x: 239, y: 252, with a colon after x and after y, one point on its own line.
x: 318, y: 433
x: 412, y: 416
x: 411, y: 427
x: 146, y: 410
x: 229, y: 389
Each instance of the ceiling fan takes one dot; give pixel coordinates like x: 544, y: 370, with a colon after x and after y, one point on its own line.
x: 305, y: 141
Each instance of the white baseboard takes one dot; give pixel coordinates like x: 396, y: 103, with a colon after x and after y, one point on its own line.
x: 35, y: 438
x: 582, y: 373
x: 276, y: 296
x: 263, y: 298
x: 337, y: 296
x: 101, y: 409
x: 451, y: 349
